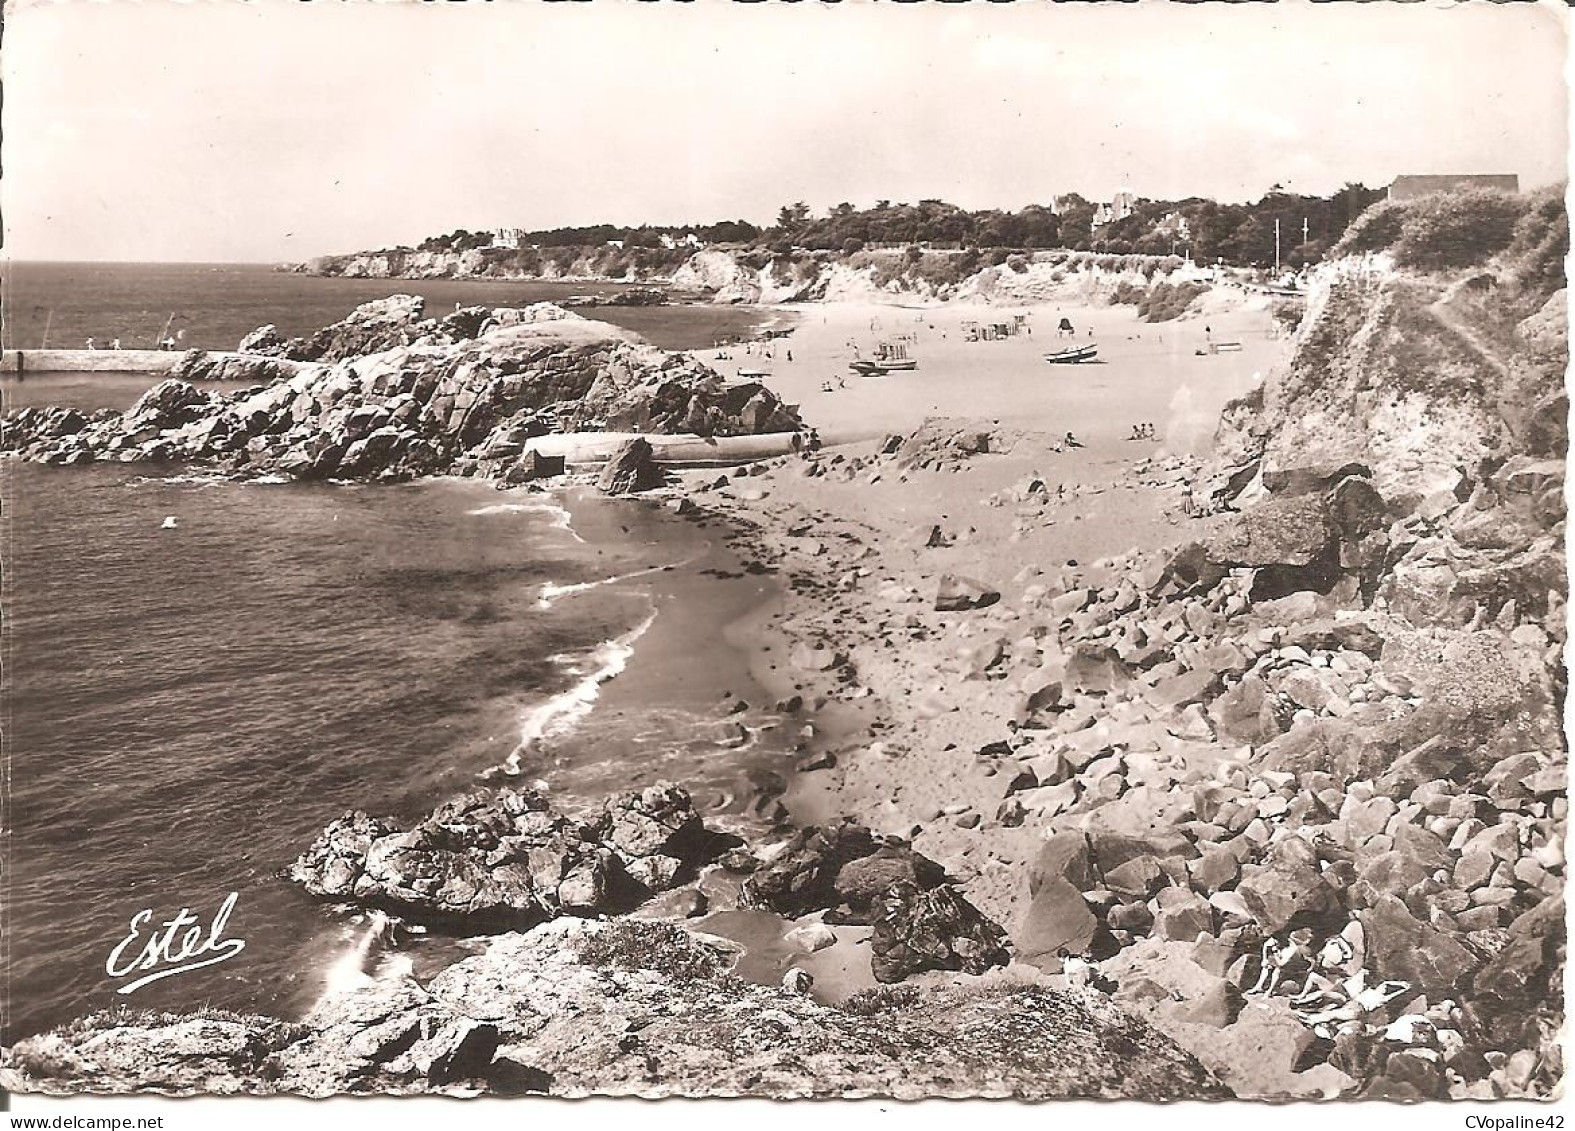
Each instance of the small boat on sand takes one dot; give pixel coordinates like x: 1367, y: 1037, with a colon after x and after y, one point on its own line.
x: 1224, y: 347
x: 754, y: 374
x: 890, y: 357
x: 1072, y: 355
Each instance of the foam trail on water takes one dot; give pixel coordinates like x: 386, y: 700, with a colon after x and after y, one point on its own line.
x: 564, y: 711
x: 561, y: 519
x: 551, y: 592
x: 351, y: 970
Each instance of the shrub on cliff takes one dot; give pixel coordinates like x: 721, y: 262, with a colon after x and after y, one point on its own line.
x: 1541, y: 243
x: 1128, y: 294
x: 1287, y: 314
x: 1377, y: 229
x: 1444, y: 230
x: 1447, y: 230
x: 1168, y: 300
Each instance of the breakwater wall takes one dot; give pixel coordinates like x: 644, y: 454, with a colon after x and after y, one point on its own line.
x: 583, y: 449
x: 89, y: 361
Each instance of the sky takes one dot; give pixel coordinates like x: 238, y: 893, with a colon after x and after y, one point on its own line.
x: 217, y: 130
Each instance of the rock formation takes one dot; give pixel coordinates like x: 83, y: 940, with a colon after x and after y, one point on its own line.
x: 490, y: 861
x: 577, y: 1008
x: 391, y: 395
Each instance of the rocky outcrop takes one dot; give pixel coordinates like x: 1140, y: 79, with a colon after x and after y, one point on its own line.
x: 577, y: 1008
x: 932, y: 930
x: 843, y: 869
x: 1392, y: 371
x: 504, y: 860
x: 462, y: 395
x: 630, y: 469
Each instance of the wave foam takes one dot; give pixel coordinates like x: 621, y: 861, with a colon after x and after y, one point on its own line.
x: 561, y: 519
x: 353, y: 968
x: 563, y: 712
x: 550, y: 592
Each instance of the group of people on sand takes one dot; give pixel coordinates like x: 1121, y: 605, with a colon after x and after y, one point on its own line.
x: 1144, y: 431
x: 92, y: 344
x: 766, y: 351
x: 806, y: 441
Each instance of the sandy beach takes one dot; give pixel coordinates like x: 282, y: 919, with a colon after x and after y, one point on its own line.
x: 1145, y: 372
x: 890, y: 738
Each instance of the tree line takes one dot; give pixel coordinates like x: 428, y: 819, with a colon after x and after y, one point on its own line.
x: 1239, y: 234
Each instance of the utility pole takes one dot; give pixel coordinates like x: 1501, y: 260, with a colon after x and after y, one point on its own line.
x: 1276, y: 245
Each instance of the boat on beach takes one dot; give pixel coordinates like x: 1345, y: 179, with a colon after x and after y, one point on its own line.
x: 890, y: 357
x: 1072, y: 355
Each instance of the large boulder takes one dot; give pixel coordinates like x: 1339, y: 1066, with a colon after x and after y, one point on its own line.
x: 1402, y: 947
x: 658, y: 836
x: 1287, y: 888
x: 265, y: 340
x: 631, y: 468
x: 372, y: 327
x: 936, y: 929
x: 1292, y: 542
x: 1058, y: 922
x: 955, y: 594
x: 169, y: 404
x: 843, y: 869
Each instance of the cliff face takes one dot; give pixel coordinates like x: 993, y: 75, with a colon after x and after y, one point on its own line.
x: 723, y: 276
x: 1431, y: 376
x: 405, y: 264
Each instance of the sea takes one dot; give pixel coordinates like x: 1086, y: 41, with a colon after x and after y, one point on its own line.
x: 200, y: 674
x: 213, y: 306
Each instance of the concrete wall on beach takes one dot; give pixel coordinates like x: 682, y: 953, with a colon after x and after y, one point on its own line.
x: 580, y: 449
x: 89, y: 361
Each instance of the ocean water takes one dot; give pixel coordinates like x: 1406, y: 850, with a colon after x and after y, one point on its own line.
x: 214, y: 305
x: 190, y: 702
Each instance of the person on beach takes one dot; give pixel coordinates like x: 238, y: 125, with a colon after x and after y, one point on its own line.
x: 790, y: 355
x: 115, y: 344
x: 90, y: 344
x: 1071, y: 441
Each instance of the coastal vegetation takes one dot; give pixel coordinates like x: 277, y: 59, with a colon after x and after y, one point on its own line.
x: 1237, y: 234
